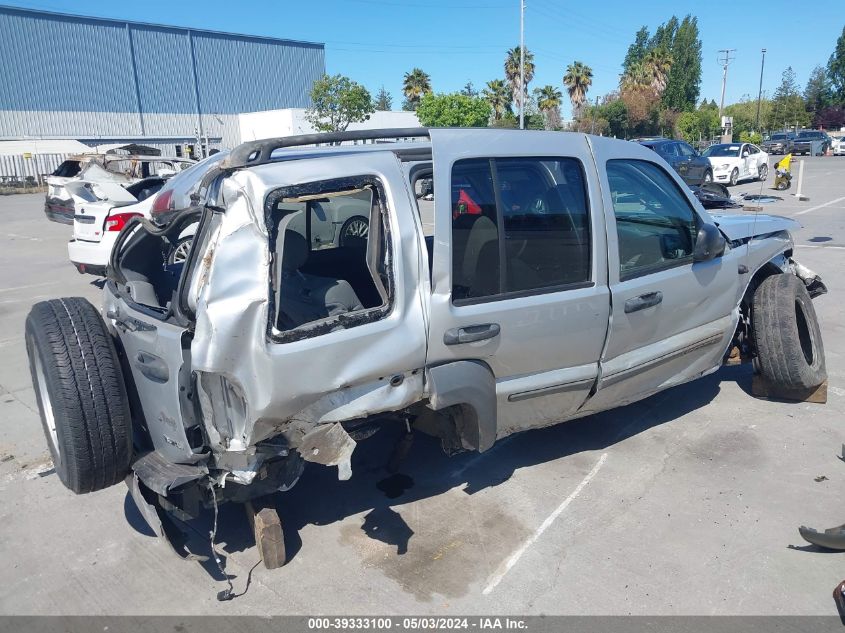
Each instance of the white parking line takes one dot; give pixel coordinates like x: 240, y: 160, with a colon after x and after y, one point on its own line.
x: 821, y: 206
x: 819, y: 246
x: 506, y: 566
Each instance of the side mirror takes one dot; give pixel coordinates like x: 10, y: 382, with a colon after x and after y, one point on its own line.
x: 709, y: 244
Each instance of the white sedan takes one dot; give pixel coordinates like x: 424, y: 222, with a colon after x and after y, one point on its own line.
x: 733, y: 162
x: 838, y: 147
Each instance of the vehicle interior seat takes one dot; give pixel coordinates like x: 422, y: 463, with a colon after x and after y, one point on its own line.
x: 304, y: 297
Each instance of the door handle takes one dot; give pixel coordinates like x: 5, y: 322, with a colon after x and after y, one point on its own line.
x: 471, y: 333
x: 642, y: 302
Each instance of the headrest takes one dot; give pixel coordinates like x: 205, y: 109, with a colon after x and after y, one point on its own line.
x: 295, y: 250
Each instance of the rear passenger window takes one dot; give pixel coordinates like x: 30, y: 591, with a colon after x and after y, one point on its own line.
x: 331, y: 261
x: 518, y: 225
x: 655, y: 223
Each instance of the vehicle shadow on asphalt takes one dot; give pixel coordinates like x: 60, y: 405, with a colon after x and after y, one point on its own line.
x: 320, y: 499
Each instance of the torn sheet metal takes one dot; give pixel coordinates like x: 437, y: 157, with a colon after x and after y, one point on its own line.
x: 814, y: 283
x: 268, y: 387
x: 329, y: 445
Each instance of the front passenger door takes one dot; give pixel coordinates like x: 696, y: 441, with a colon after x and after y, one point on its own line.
x: 672, y: 318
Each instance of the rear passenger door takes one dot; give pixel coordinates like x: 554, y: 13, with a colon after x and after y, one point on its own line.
x: 672, y: 318
x: 519, y: 275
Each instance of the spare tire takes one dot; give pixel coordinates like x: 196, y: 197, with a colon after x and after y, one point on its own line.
x: 81, y: 394
x: 790, y: 353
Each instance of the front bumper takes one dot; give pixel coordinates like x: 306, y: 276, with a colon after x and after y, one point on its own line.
x: 92, y: 257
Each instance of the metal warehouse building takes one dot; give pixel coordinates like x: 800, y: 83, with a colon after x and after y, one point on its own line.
x: 102, y: 81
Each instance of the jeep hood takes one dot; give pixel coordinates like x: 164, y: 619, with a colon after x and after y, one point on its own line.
x: 737, y: 226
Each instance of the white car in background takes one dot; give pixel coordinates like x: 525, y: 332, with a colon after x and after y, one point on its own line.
x: 838, y: 147
x: 733, y: 162
x: 102, y: 209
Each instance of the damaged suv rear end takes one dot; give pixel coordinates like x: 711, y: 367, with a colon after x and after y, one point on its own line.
x: 564, y: 275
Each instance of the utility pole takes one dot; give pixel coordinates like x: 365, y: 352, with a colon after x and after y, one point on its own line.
x: 593, y: 126
x: 760, y: 91
x: 521, y: 64
x: 724, y: 61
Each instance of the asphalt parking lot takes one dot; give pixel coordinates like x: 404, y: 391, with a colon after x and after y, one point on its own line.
x: 686, y: 503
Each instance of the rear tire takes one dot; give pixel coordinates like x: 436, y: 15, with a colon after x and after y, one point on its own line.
x: 80, y: 392
x: 790, y: 353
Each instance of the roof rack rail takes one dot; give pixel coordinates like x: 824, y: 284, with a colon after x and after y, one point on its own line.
x: 258, y: 152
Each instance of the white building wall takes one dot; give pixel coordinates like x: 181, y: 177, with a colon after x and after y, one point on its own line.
x: 291, y: 121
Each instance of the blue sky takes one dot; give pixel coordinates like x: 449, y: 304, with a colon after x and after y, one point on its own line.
x: 376, y: 41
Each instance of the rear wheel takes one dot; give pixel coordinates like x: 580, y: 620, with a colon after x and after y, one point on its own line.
x: 179, y: 254
x: 81, y: 394
x: 790, y: 353
x: 355, y: 228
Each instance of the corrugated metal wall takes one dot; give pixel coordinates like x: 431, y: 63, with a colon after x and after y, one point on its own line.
x: 84, y: 77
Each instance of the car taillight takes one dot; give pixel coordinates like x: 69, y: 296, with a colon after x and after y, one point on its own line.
x: 117, y: 221
x: 163, y: 202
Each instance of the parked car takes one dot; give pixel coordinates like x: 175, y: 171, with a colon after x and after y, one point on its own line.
x: 733, y: 162
x: 779, y: 143
x: 684, y: 159
x: 102, y: 209
x: 590, y: 279
x: 838, y: 147
x: 121, y: 169
x: 811, y: 142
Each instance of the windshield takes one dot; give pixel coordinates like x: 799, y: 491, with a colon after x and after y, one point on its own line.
x: 810, y: 135
x: 777, y: 137
x: 721, y: 150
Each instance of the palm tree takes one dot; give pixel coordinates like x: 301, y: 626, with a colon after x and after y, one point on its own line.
x: 657, y: 64
x: 498, y: 95
x: 578, y: 79
x: 512, y: 73
x: 416, y: 84
x: 548, y: 100
x: 637, y: 77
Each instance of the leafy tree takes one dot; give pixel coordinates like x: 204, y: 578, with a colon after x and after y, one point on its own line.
x: 512, y: 74
x: 498, y: 95
x: 688, y: 126
x: 831, y: 118
x: 337, y: 101
x: 836, y: 70
x: 469, y: 90
x: 548, y: 101
x: 416, y: 83
x: 750, y: 137
x: 664, y: 35
x: 817, y: 94
x: 788, y: 106
x: 637, y: 77
x: 684, y: 80
x: 578, y: 79
x: 453, y: 110
x: 637, y: 50
x: 383, y: 100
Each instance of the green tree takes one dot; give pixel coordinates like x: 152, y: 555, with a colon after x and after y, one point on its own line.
x: 512, y: 74
x: 817, y: 94
x: 337, y: 101
x: 613, y: 111
x: 637, y: 50
x: 469, y: 90
x: 836, y: 70
x: 664, y: 35
x: 656, y: 64
x: 498, y: 95
x: 684, y: 81
x: 578, y: 79
x: 688, y: 126
x: 453, y: 110
x: 548, y: 101
x: 416, y: 83
x: 788, y: 107
x: 383, y: 100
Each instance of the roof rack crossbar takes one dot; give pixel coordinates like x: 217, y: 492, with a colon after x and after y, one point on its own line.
x: 258, y: 152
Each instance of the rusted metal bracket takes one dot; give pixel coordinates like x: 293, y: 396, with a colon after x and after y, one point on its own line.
x: 267, y: 526
x: 762, y: 388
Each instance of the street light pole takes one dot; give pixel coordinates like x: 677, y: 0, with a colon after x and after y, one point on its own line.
x: 760, y: 90
x: 521, y: 64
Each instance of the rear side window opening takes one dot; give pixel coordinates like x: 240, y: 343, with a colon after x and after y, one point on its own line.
x: 68, y: 169
x: 331, y: 265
